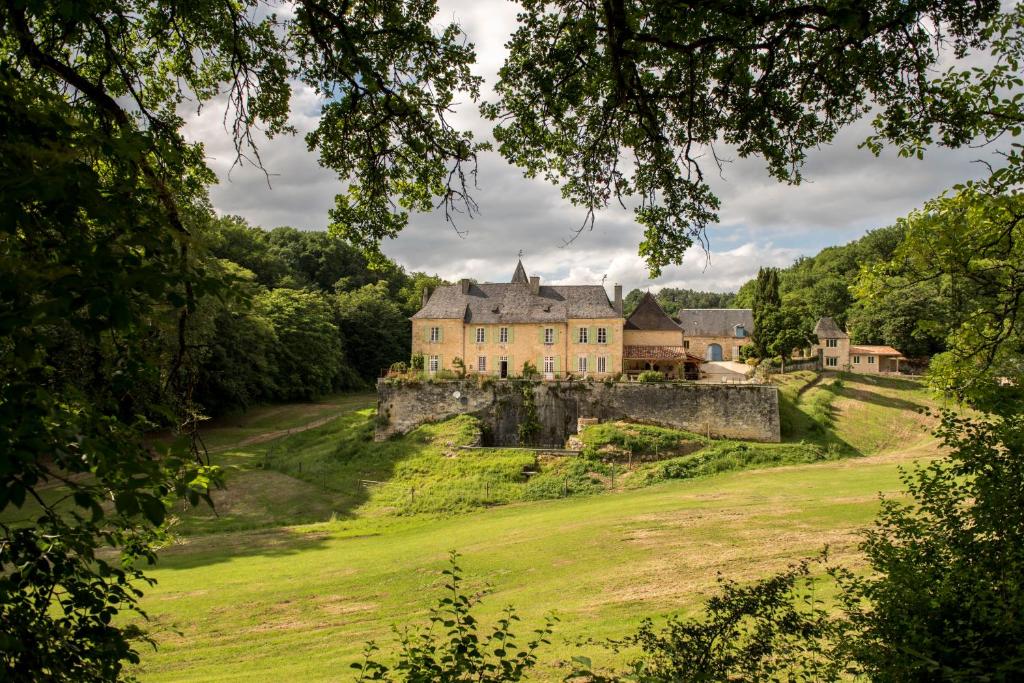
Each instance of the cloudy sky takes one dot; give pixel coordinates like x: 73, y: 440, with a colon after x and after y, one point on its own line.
x: 847, y: 192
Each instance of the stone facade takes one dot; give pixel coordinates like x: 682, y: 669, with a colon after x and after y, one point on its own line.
x: 734, y: 411
x: 516, y: 343
x: 730, y: 346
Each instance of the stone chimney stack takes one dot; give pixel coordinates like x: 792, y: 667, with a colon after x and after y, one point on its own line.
x: 464, y: 285
x: 618, y: 299
x: 535, y: 285
x: 425, y: 297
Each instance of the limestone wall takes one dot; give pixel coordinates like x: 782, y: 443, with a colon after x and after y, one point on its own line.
x: 733, y: 411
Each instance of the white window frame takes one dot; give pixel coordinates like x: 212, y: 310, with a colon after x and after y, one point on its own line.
x: 871, y: 360
x: 686, y: 344
x: 433, y: 364
x: 602, y: 335
x: 435, y: 334
x: 581, y: 364
x: 832, y: 343
x: 481, y: 335
x: 549, y: 335
x: 503, y: 335
x: 831, y: 362
x: 602, y: 363
x: 584, y: 335
x: 481, y: 363
x: 549, y: 365
x: 856, y: 360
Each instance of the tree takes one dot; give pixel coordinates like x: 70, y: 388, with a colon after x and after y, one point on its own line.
x: 310, y: 353
x: 766, y: 303
x: 377, y: 332
x: 100, y: 199
x: 620, y: 101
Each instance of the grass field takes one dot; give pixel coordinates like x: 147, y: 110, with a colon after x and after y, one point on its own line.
x: 309, y: 558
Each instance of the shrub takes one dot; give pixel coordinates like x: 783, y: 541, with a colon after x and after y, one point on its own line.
x: 450, y: 647
x: 416, y: 362
x: 530, y: 371
x: 460, y: 367
x: 651, y: 376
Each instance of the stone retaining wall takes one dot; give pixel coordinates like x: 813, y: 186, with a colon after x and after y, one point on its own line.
x: 739, y: 411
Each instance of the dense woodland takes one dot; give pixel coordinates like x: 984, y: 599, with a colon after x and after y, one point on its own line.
x: 307, y: 315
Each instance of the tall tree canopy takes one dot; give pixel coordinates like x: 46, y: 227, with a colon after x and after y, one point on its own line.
x: 630, y: 100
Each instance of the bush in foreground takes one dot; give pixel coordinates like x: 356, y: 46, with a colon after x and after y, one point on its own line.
x: 451, y: 648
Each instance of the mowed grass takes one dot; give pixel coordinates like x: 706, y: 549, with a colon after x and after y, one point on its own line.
x: 298, y: 603
x: 325, y: 539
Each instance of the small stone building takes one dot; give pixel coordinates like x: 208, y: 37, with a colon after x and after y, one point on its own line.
x: 716, y: 334
x: 837, y: 353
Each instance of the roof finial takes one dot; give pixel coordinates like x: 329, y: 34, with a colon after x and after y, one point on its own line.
x: 520, y: 253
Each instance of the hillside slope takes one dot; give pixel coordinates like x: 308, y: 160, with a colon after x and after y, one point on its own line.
x: 294, y: 600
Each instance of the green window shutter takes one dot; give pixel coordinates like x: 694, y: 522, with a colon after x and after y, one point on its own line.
x: 495, y: 365
x: 485, y: 335
x: 591, y: 365
x: 540, y: 365
x: 440, y: 362
x: 554, y: 334
x: 609, y: 333
x: 512, y: 369
x: 592, y: 335
x: 440, y: 333
x: 542, y: 335
x: 558, y: 363
x: 511, y: 335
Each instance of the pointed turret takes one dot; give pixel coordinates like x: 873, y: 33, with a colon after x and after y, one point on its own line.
x: 520, y: 275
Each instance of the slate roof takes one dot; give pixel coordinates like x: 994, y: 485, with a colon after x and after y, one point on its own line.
x: 659, y: 353
x: 875, y: 351
x: 649, y: 315
x: 715, y: 322
x: 513, y: 302
x: 826, y: 328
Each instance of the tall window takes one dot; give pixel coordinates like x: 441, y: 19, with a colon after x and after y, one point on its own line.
x: 434, y: 364
x: 481, y: 363
x: 549, y: 364
x: 480, y: 335
x: 686, y: 344
x: 435, y: 334
x: 549, y: 335
x: 602, y: 335
x: 831, y: 361
x: 871, y: 359
x: 856, y: 360
x: 602, y: 364
x: 741, y: 331
x: 583, y: 335
x: 832, y: 343
x: 503, y: 335
x: 582, y: 364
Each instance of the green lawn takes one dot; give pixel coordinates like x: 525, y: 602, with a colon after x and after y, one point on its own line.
x: 325, y: 539
x: 298, y: 603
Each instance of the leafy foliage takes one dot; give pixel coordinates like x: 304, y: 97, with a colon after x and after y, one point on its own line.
x: 452, y: 648
x: 588, y: 86
x: 773, y: 629
x: 649, y: 376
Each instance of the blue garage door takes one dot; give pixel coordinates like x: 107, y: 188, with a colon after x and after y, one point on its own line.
x: 714, y: 352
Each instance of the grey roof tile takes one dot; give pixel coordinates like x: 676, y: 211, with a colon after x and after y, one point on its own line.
x: 715, y: 322
x: 827, y: 328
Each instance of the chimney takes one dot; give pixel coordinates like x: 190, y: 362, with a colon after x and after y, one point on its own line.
x: 618, y: 299
x: 535, y: 285
x: 464, y: 285
x: 425, y: 297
